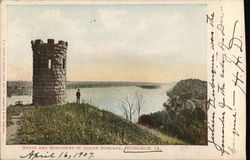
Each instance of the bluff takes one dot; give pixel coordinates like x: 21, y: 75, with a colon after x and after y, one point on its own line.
x: 187, y: 94
x: 184, y: 115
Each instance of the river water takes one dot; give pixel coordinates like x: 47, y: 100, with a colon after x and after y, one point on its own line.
x: 110, y: 98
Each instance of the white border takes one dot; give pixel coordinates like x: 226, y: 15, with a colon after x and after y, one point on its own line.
x: 233, y: 9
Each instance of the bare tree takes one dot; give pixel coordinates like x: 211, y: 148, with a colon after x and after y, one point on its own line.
x: 128, y: 107
x: 139, y: 103
x: 125, y: 111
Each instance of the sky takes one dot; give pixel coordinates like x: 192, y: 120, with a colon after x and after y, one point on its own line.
x: 129, y: 42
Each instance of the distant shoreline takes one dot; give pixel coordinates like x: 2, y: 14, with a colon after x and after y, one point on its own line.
x: 149, y: 86
x: 25, y: 87
x: 90, y: 84
x: 74, y: 85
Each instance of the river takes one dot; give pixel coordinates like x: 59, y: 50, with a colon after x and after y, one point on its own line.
x: 110, y: 98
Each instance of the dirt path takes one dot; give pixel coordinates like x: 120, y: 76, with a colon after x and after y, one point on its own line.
x: 11, y: 137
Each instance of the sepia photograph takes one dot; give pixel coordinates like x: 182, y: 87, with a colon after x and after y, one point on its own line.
x: 106, y: 74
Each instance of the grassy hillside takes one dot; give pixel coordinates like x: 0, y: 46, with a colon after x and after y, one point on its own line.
x: 81, y: 124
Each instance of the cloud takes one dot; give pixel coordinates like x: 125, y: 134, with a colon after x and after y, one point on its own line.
x: 54, y: 23
x: 112, y: 18
x: 18, y: 46
x: 128, y: 37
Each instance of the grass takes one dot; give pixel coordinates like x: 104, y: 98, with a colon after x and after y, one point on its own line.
x: 13, y: 110
x: 81, y: 124
x: 165, y: 138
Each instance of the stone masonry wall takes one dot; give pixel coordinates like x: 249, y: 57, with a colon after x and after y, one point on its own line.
x: 49, y: 72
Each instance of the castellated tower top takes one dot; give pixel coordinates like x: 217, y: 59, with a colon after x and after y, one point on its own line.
x: 39, y: 42
x: 49, y: 72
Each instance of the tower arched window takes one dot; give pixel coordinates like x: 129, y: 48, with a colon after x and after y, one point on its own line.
x: 63, y: 63
x: 49, y: 63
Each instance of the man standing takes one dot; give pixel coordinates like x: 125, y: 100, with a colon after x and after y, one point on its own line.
x: 78, y: 95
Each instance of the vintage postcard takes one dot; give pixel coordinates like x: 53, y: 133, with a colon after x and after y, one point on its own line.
x: 122, y: 80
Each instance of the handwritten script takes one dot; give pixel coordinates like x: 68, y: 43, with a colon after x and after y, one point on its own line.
x: 52, y: 155
x: 226, y: 82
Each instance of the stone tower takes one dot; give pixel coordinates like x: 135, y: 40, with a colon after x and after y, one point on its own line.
x: 49, y: 72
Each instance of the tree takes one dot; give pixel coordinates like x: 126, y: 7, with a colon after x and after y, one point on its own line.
x: 124, y: 110
x: 128, y: 107
x: 139, y: 103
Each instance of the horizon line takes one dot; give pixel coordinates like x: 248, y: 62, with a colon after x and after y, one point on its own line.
x: 114, y: 81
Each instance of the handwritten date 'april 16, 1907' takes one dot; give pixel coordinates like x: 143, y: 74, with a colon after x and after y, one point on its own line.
x: 52, y: 155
